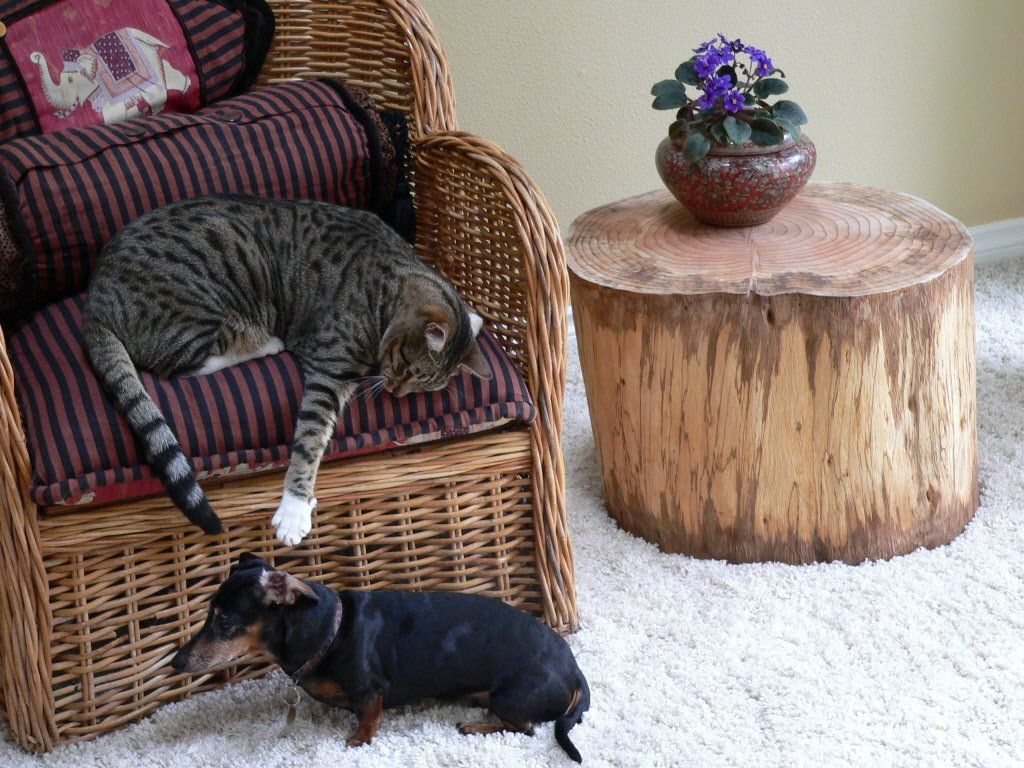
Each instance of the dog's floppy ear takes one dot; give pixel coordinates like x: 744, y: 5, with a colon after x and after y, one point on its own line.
x: 282, y: 588
x: 248, y: 560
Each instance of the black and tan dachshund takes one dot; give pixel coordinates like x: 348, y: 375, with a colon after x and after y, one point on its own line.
x: 370, y: 651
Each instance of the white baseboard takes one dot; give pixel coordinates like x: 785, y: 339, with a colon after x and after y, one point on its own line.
x: 998, y: 241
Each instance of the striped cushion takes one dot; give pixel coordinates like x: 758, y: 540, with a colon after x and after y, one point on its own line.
x: 16, y: 118
x: 239, y: 420
x: 219, y: 44
x: 65, y: 195
x: 229, y: 40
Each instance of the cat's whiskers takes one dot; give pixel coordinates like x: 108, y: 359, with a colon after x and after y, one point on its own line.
x: 369, y: 393
x: 459, y: 392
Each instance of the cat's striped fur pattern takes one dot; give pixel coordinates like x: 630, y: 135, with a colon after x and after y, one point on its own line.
x: 200, y: 285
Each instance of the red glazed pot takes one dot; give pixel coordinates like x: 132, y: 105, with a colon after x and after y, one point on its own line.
x: 737, y: 186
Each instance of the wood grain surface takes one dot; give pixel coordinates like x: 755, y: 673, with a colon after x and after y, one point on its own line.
x: 832, y: 240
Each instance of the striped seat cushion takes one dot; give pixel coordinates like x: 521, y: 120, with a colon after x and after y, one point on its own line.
x: 108, y: 61
x: 236, y: 421
x: 65, y: 195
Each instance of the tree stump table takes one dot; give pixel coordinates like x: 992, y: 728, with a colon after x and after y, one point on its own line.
x: 799, y: 391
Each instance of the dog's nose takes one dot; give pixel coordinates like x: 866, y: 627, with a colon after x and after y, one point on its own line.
x: 180, y: 661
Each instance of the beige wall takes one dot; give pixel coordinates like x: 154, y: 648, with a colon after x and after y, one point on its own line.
x: 924, y: 96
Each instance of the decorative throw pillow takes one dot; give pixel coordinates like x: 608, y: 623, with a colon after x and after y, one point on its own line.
x: 75, y: 63
x: 63, y: 196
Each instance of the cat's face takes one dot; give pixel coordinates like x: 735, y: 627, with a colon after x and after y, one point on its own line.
x: 421, y: 353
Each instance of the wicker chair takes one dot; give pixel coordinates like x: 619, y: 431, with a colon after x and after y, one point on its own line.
x: 94, y: 602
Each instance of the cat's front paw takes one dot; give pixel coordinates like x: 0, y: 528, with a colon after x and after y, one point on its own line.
x: 273, y: 347
x: 293, y: 519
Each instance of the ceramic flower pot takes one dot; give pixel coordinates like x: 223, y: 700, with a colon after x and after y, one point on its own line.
x: 737, y: 186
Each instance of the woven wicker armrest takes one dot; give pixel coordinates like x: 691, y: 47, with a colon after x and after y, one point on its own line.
x: 24, y: 614
x: 483, y: 222
x: 387, y: 47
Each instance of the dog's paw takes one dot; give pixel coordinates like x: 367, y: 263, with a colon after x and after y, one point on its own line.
x: 358, y: 741
x: 467, y: 728
x: 293, y: 519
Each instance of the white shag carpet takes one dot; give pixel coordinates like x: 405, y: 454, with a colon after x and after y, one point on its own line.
x: 914, y: 662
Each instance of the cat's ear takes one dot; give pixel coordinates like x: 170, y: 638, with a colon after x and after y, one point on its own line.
x: 280, y: 588
x: 436, y: 335
x: 475, y: 323
x: 476, y: 363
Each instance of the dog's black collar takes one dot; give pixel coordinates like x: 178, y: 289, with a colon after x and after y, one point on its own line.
x: 318, y: 655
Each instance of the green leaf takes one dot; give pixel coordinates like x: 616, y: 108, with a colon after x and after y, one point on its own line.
x: 669, y: 101
x: 749, y: 100
x: 770, y: 86
x: 696, y: 146
x: 668, y: 86
x: 766, y: 133
x: 718, y: 134
x: 763, y: 139
x: 687, y: 74
x: 737, y: 131
x: 792, y: 129
x: 676, y: 129
x: 790, y: 112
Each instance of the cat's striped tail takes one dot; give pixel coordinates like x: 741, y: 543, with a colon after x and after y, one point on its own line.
x: 116, y: 371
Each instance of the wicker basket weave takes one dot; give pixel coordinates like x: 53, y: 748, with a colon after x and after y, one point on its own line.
x: 94, y: 602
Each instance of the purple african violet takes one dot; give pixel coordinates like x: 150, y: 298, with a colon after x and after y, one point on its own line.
x: 734, y: 82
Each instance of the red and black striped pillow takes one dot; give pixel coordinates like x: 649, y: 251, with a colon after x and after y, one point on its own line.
x: 65, y: 195
x: 73, y: 63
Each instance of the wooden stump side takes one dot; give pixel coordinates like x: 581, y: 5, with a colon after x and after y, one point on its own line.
x: 786, y: 427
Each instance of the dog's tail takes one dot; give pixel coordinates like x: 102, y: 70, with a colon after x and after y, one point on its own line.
x: 573, y: 716
x: 117, y: 373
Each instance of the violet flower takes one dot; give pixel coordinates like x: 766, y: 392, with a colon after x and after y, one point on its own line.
x: 704, y: 46
x: 707, y: 64
x: 761, y: 59
x: 733, y: 82
x: 733, y: 101
x: 736, y: 46
x: 717, y: 86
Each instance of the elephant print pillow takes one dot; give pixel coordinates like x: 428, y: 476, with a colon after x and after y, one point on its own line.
x: 98, y: 62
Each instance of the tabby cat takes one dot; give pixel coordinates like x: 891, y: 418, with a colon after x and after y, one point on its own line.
x: 201, y: 285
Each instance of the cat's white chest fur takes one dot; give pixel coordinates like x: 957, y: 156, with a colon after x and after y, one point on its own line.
x: 232, y: 357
